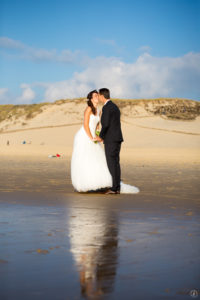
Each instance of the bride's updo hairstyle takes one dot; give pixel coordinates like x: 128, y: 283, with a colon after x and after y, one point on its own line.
x: 89, y: 101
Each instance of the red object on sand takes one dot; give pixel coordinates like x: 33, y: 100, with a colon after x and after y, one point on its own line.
x: 58, y: 155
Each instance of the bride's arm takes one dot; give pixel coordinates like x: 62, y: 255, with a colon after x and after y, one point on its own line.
x: 87, y: 114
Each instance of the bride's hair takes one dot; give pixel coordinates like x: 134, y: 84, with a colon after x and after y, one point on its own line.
x: 89, y: 101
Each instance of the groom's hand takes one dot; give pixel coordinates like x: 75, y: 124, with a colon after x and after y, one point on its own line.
x: 98, y: 139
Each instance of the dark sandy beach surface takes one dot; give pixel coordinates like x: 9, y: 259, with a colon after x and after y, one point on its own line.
x: 59, y: 244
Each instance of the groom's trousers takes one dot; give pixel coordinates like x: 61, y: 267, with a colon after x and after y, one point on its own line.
x: 112, y: 151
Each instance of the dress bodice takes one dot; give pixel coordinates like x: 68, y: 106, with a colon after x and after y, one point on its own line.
x: 93, y: 123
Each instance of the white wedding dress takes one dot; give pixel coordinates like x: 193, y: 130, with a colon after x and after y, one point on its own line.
x: 89, y: 170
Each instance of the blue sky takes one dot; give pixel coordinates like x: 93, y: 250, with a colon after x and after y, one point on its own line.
x: 63, y: 49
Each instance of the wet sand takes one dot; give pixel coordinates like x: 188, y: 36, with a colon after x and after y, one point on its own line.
x: 59, y: 244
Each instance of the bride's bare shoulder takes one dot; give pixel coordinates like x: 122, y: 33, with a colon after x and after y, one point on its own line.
x: 88, y: 110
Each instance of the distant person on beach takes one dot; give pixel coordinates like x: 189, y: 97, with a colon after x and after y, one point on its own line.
x: 92, y: 168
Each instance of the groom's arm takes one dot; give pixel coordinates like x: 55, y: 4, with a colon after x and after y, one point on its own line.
x: 105, y: 123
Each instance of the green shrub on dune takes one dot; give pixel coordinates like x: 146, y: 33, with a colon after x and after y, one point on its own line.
x: 9, y: 111
x: 170, y: 108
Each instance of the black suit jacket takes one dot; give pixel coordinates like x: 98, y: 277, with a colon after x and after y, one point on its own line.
x: 111, y: 125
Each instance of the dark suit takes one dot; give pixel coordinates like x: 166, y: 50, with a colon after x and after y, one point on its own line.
x: 112, y: 135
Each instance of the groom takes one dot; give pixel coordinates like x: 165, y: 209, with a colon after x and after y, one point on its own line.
x: 111, y: 135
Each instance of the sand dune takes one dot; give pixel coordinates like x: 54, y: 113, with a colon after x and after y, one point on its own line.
x: 158, y: 123
x: 147, y: 136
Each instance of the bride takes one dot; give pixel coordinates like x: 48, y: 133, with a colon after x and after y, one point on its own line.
x: 89, y: 170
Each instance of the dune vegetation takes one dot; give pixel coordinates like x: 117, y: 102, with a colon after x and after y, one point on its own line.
x: 171, y: 108
x: 9, y: 111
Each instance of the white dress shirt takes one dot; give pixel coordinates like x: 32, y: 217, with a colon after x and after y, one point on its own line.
x: 106, y: 102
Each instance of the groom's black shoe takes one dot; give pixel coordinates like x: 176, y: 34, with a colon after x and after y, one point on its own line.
x: 111, y: 192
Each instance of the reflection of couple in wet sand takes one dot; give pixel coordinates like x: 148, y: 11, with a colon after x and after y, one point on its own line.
x: 94, y: 241
x: 92, y: 168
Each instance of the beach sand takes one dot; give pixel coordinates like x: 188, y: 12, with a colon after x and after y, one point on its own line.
x: 60, y: 244
x: 145, y: 246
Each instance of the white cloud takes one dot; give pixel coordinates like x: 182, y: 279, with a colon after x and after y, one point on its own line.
x: 27, y: 94
x: 145, y: 49
x: 4, y: 95
x: 3, y: 91
x: 112, y: 44
x: 147, y: 77
x: 8, y: 43
x: 106, y: 42
x: 22, y: 51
